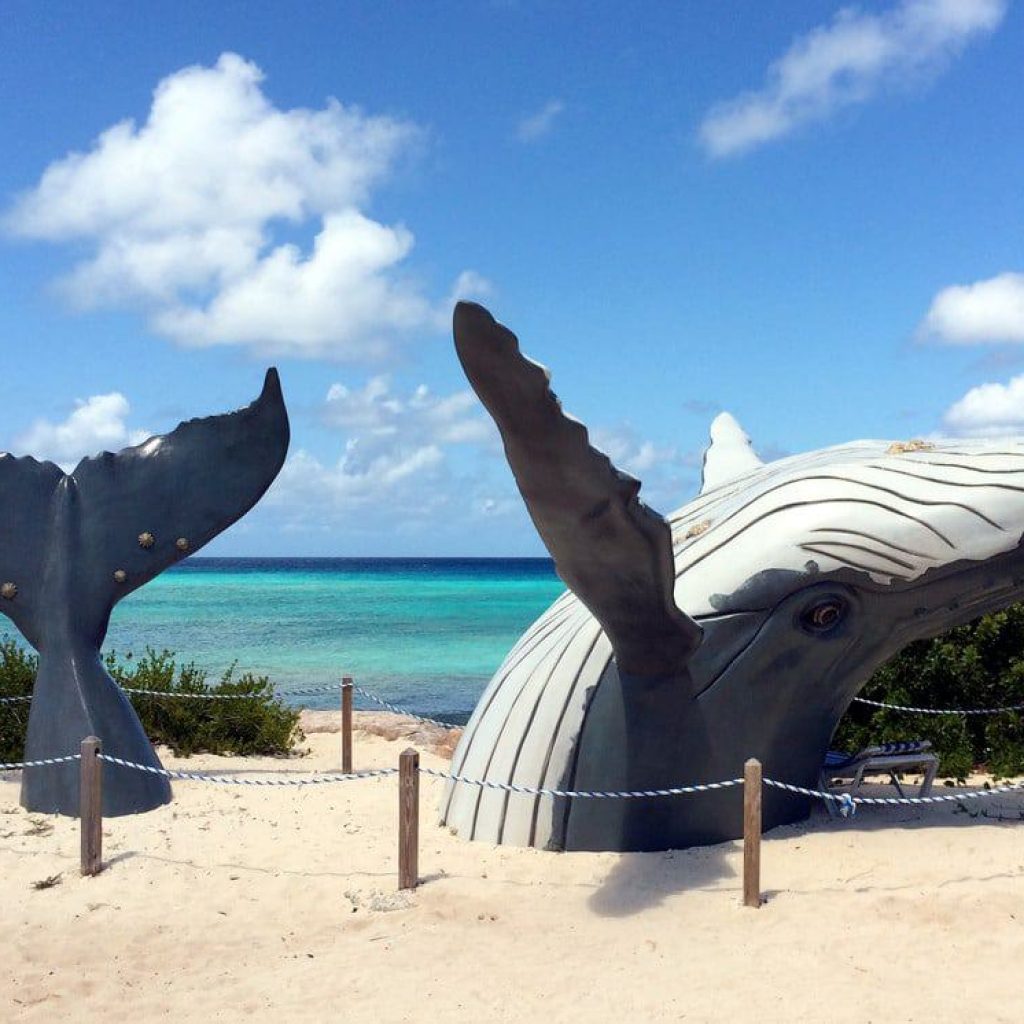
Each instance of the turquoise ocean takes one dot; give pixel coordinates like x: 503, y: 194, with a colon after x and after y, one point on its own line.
x: 425, y: 634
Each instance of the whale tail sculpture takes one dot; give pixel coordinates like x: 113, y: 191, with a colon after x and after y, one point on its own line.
x: 74, y: 544
x: 742, y: 625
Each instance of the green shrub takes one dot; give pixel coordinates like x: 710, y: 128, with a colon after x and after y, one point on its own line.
x: 980, y: 665
x: 17, y: 677
x: 257, y: 723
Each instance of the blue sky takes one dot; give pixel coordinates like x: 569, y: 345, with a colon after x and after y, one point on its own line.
x: 807, y: 214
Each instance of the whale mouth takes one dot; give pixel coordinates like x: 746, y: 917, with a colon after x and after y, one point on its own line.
x: 727, y: 637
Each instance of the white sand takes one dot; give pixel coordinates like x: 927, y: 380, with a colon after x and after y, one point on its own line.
x: 280, y: 905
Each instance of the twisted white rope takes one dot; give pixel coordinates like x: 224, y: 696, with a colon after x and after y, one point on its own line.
x: 305, y: 692
x: 330, y: 688
x: 227, y: 780
x: 334, y: 687
x: 15, y: 765
x: 512, y: 787
x: 940, y: 711
x: 310, y: 691
x: 891, y: 801
x: 403, y: 711
x: 197, y: 696
x: 380, y: 772
x: 847, y: 802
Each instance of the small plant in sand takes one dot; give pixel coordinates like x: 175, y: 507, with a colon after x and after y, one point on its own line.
x: 252, y: 721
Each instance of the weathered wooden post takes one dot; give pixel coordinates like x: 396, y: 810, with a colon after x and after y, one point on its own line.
x: 346, y: 724
x: 90, y: 806
x: 408, y: 818
x: 752, y: 833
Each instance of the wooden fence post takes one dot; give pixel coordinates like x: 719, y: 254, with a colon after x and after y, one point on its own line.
x: 346, y: 724
x: 90, y: 806
x: 752, y: 833
x: 408, y: 818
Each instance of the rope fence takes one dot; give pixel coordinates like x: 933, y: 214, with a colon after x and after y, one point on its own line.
x: 312, y: 691
x: 582, y: 794
x: 512, y: 787
x: 8, y: 766
x: 230, y: 780
x: 91, y: 757
x: 346, y: 684
x: 940, y: 711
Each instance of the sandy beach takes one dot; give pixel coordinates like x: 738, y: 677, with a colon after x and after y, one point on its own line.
x: 280, y: 904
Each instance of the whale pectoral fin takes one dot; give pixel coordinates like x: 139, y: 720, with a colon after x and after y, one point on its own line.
x: 612, y: 550
x: 26, y: 490
x: 189, y: 484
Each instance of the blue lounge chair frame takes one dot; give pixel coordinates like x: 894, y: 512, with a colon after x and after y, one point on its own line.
x: 885, y: 759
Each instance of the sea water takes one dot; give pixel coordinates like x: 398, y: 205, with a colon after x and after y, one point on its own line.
x: 425, y: 634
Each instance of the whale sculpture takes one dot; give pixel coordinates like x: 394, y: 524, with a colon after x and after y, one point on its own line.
x: 743, y: 626
x: 74, y: 544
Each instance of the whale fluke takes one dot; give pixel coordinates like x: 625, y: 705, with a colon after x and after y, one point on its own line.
x: 728, y: 455
x: 26, y: 490
x: 613, y: 551
x: 74, y: 544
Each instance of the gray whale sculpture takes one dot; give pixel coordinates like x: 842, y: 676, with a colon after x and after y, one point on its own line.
x: 74, y: 544
x: 743, y: 626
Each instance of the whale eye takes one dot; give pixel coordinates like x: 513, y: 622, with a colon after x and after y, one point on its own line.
x: 823, y: 616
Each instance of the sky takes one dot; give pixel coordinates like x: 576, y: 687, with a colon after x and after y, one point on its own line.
x: 808, y: 214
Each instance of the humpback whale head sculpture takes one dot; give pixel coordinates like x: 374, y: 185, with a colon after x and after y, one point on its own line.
x: 73, y: 544
x: 742, y: 626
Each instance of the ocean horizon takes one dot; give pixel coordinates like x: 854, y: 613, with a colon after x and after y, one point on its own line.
x: 423, y: 633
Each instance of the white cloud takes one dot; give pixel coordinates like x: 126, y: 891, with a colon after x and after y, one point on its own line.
x: 422, y: 461
x: 668, y: 474
x: 96, y: 424
x: 537, y: 125
x: 375, y: 411
x: 408, y: 489
x: 305, y: 482
x: 844, y: 63
x: 395, y: 462
x: 628, y: 452
x: 989, y: 410
x: 468, y: 285
x: 986, y: 311
x: 183, y: 213
x: 340, y: 299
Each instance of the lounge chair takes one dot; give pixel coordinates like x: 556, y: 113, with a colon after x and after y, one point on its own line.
x: 885, y: 759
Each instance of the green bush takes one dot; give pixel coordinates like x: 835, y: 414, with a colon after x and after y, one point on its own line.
x: 258, y: 723
x: 17, y: 677
x: 980, y: 665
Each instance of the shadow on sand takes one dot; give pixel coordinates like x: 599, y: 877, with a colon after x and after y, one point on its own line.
x: 642, y: 880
